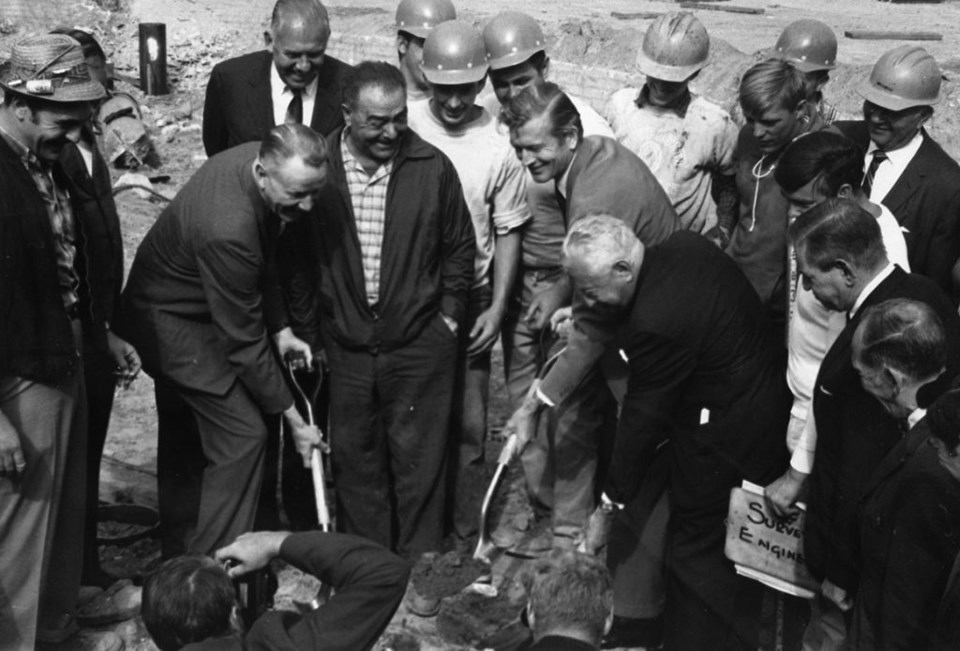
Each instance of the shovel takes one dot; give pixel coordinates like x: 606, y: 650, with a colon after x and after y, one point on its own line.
x: 316, y: 458
x: 485, y: 545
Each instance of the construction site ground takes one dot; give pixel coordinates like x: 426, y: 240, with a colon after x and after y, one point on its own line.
x: 585, y: 41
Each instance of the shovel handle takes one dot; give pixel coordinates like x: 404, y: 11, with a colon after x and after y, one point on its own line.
x: 319, y: 491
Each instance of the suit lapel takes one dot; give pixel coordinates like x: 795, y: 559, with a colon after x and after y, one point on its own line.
x: 325, y: 103
x: 910, y: 180
x: 260, y: 97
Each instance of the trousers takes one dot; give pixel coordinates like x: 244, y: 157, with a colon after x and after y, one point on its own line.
x: 389, y: 420
x: 209, y: 466
x: 41, y: 513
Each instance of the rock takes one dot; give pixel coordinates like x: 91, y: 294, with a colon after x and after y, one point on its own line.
x: 137, y: 180
x: 169, y: 132
x: 183, y: 111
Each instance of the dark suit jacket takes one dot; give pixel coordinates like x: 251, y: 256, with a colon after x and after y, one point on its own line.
x: 696, y: 338
x: 369, y: 583
x: 926, y: 202
x: 854, y: 433
x: 239, y: 106
x: 909, y: 536
x: 194, y: 303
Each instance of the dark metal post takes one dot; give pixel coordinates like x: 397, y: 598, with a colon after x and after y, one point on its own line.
x: 153, y: 58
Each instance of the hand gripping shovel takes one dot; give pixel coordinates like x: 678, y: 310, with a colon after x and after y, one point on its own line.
x: 485, y: 544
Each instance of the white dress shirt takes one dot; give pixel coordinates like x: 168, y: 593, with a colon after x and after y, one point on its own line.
x: 281, y: 96
x: 889, y: 171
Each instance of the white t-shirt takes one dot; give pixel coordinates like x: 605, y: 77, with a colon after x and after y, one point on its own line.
x: 493, y: 180
x: 681, y: 151
x: 812, y: 330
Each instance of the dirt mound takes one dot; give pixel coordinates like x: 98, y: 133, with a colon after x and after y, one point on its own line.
x: 435, y: 576
x: 468, y: 618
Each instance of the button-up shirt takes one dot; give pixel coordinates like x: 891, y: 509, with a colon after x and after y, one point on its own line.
x: 889, y: 171
x: 60, y: 213
x: 281, y: 95
x: 368, y: 195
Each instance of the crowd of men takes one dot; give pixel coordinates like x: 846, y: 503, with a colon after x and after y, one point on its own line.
x: 683, y: 304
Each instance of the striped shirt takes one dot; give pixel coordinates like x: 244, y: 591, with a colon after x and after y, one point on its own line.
x: 368, y: 195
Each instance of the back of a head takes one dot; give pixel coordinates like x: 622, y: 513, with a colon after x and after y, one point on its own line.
x: 287, y: 141
x: 839, y: 229
x: 305, y: 12
x: 904, y: 335
x: 598, y: 241
x: 770, y: 85
x: 543, y: 98
x: 186, y: 600
x: 831, y: 156
x: 569, y: 591
x: 372, y: 74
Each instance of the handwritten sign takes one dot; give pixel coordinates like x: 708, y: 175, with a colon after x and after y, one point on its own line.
x: 765, y: 547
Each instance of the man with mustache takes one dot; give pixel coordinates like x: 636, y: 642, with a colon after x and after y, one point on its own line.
x: 196, y: 305
x: 293, y: 81
x: 57, y: 291
x: 392, y: 256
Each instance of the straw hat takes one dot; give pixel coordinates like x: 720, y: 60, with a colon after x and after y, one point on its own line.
x: 50, y: 67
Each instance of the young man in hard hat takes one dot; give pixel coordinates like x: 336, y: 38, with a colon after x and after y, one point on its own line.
x: 687, y: 141
x: 516, y: 51
x: 904, y: 168
x: 415, y: 20
x: 494, y: 185
x: 811, y: 46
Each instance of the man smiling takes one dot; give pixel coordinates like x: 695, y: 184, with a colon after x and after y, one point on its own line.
x: 293, y: 81
x: 904, y: 168
x: 494, y: 185
x: 393, y: 254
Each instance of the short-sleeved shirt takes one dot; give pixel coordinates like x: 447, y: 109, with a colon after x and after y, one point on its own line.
x: 682, y: 149
x: 494, y: 182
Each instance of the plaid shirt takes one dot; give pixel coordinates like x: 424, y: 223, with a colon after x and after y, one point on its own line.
x: 60, y: 212
x: 368, y: 194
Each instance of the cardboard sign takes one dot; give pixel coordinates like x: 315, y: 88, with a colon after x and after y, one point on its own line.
x: 767, y: 548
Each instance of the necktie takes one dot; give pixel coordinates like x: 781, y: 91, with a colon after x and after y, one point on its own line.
x: 561, y: 200
x: 878, y: 157
x: 295, y: 108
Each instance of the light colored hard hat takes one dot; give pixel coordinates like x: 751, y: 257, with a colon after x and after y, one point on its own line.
x: 902, y: 78
x: 675, y: 46
x: 511, y: 38
x: 454, y: 54
x: 419, y: 17
x: 809, y: 45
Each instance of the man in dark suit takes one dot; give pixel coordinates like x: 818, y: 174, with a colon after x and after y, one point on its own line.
x: 195, y: 303
x: 294, y: 82
x: 703, y: 380
x: 904, y: 168
x: 910, y: 515
x: 841, y: 258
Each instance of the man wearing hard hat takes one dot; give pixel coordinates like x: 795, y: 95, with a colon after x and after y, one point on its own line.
x: 687, y: 141
x: 415, y: 20
x: 904, y: 168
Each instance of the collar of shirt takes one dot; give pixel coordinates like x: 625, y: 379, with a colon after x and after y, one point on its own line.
x: 915, y: 417
x: 872, y: 285
x: 679, y: 106
x: 898, y: 159
x: 27, y: 157
x: 351, y: 164
x: 562, y: 181
x: 281, y: 95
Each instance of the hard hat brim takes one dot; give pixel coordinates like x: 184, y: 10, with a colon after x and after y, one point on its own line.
x: 454, y: 77
x: 514, y: 58
x: 418, y: 32
x: 651, y: 68
x: 889, y: 101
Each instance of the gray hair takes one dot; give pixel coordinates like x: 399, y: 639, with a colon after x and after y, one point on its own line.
x: 904, y: 335
x: 286, y: 141
x: 599, y: 241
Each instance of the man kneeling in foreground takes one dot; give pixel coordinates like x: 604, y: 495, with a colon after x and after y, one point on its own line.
x: 190, y: 601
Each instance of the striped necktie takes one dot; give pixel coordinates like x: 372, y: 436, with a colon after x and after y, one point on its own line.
x: 878, y: 157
